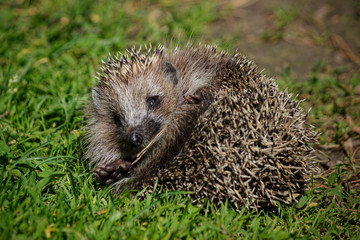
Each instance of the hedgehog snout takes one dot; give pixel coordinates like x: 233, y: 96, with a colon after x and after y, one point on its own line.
x: 135, y: 139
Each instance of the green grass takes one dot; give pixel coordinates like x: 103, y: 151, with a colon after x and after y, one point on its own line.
x: 49, y: 53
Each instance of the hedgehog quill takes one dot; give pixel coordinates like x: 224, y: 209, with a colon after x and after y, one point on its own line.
x: 199, y: 120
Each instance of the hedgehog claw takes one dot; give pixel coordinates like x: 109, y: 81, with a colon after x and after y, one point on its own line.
x: 109, y: 181
x: 96, y: 176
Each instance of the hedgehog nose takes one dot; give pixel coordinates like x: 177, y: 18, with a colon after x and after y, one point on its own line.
x: 135, y: 139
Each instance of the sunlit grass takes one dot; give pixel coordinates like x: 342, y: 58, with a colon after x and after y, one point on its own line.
x: 49, y: 54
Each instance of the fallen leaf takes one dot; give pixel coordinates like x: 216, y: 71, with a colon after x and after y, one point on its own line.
x: 355, y: 128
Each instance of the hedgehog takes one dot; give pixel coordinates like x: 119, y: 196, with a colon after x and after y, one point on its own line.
x: 199, y: 120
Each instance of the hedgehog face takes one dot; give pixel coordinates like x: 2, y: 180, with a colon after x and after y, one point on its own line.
x: 132, y: 112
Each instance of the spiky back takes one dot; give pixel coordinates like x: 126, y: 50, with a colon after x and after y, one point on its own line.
x: 250, y: 146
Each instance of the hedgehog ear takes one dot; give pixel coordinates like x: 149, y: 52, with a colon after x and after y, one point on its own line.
x: 96, y: 98
x: 170, y: 72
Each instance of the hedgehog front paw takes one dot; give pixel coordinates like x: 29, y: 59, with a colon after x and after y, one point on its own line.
x: 111, y: 172
x: 196, y: 98
x: 193, y: 99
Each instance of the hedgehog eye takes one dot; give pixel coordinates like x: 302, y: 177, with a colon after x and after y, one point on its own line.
x: 117, y: 119
x: 153, y: 101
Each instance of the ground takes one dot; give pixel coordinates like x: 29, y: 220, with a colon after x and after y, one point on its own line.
x: 50, y: 51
